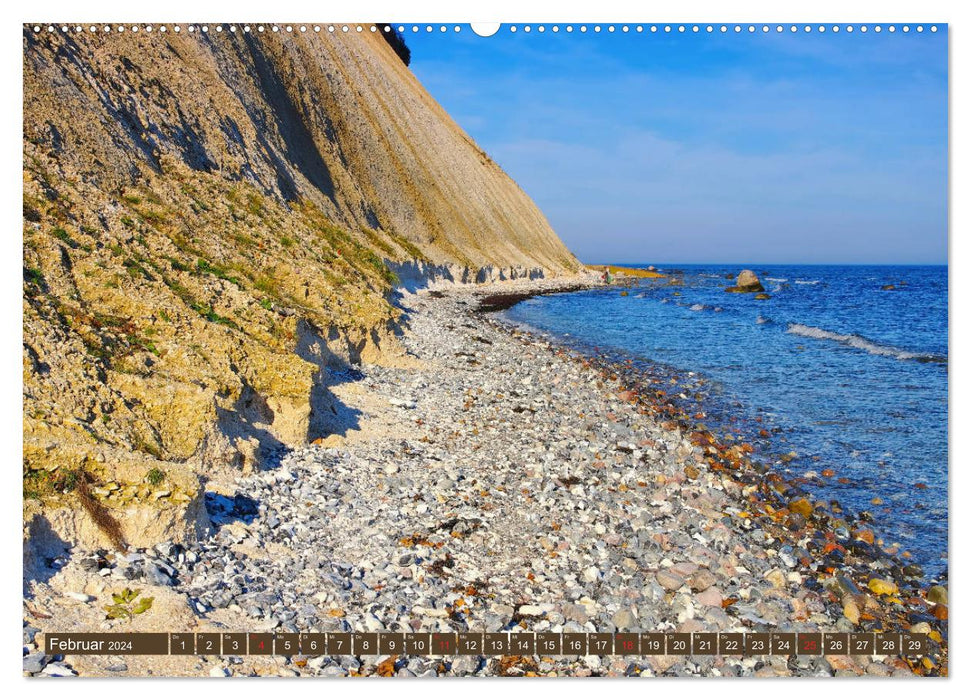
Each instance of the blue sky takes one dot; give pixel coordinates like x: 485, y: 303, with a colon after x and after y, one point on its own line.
x: 787, y: 148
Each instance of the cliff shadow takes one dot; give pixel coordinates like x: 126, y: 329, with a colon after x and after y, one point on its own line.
x: 222, y: 509
x: 335, y: 359
x: 263, y: 430
x: 247, y: 426
x: 416, y: 275
x: 398, y: 299
x: 300, y: 147
x: 328, y: 414
x: 44, y: 551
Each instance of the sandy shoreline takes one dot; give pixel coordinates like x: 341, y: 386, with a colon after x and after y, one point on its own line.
x: 494, y: 481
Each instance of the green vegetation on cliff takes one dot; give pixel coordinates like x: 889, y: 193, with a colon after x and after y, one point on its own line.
x: 206, y: 225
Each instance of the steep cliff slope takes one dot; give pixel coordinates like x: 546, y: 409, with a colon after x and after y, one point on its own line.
x: 209, y: 221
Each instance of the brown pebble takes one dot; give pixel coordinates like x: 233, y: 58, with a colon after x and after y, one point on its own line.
x: 669, y: 581
x: 701, y: 581
x: 801, y: 506
x: 851, y: 612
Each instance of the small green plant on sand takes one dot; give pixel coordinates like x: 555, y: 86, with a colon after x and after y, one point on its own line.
x: 124, y: 606
x: 155, y: 476
x: 69, y: 480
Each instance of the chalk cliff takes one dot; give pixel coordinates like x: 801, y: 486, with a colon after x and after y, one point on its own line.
x: 212, y: 223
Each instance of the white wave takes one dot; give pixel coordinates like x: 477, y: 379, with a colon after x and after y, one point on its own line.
x: 777, y: 279
x: 860, y: 343
x: 761, y: 319
x: 807, y: 281
x: 696, y: 307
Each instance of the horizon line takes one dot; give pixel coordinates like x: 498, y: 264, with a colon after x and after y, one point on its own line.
x: 755, y: 264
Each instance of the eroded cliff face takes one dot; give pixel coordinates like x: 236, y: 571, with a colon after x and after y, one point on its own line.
x: 212, y: 223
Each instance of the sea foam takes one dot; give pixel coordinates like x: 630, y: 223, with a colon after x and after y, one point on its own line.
x: 860, y: 343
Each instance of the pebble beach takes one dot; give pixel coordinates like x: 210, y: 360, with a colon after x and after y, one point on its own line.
x: 497, y: 481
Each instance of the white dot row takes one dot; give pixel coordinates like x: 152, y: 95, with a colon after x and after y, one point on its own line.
x: 135, y: 28
x: 724, y: 28
x: 666, y: 28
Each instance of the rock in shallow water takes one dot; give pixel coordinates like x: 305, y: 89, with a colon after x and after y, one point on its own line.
x: 802, y: 506
x: 937, y: 594
x: 747, y: 281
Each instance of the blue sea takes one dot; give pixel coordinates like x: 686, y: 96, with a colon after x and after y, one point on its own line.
x: 848, y: 375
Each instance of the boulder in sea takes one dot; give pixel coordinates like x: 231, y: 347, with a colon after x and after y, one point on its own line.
x: 747, y: 281
x: 762, y: 296
x: 888, y: 287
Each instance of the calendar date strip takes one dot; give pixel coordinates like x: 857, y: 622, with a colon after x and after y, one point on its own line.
x: 490, y: 644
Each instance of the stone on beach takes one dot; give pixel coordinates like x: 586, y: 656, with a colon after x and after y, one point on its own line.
x: 851, y: 612
x: 35, y: 663
x: 702, y: 581
x: 711, y: 597
x: 668, y: 580
x: 624, y: 619
x: 882, y: 587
